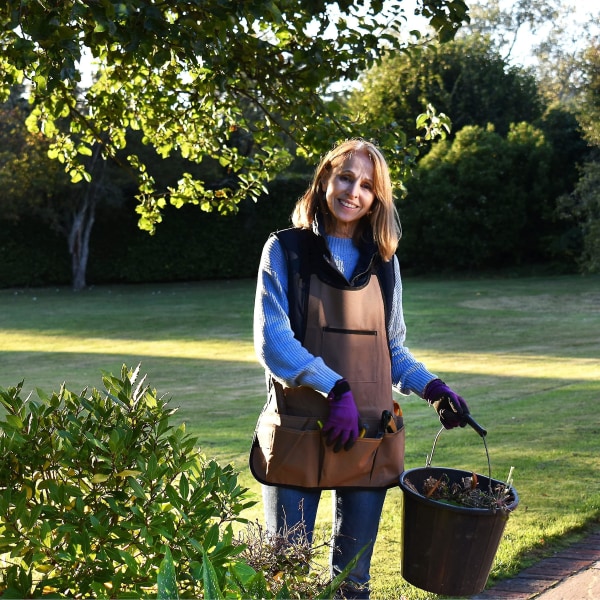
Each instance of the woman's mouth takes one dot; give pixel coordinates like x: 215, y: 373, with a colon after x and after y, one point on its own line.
x: 347, y: 204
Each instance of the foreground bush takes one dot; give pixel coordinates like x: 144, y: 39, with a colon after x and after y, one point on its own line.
x: 100, y: 496
x: 95, y: 487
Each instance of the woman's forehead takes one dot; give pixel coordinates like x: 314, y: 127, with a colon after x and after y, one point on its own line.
x: 354, y: 161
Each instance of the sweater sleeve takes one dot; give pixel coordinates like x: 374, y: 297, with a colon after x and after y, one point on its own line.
x: 279, y: 352
x: 408, y: 375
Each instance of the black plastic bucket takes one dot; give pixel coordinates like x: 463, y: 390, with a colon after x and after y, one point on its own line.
x: 449, y: 549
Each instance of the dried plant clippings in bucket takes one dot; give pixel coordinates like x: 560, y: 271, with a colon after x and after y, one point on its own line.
x: 467, y: 493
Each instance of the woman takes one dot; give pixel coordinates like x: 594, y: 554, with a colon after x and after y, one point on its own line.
x: 329, y: 331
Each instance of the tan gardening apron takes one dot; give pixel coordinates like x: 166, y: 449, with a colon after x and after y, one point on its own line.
x: 347, y: 328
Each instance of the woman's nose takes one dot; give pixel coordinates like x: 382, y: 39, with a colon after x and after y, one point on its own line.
x: 354, y: 189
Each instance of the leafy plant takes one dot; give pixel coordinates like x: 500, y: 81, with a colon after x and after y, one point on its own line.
x: 98, y: 491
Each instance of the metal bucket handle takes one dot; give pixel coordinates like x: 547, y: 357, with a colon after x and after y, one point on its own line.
x: 479, y: 429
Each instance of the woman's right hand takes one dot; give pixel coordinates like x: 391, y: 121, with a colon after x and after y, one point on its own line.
x: 341, y: 426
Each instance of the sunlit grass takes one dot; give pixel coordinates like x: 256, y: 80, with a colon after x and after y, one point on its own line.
x: 524, y: 352
x: 548, y: 366
x: 15, y: 341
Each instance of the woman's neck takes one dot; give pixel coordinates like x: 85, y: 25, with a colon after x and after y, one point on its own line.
x: 342, y: 231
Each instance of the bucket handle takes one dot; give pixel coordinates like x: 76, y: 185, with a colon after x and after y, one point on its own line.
x: 479, y: 429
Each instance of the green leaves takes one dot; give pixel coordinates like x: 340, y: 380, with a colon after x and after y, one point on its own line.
x: 209, y: 575
x: 100, y: 496
x: 236, y: 82
x: 92, y: 487
x: 167, y: 580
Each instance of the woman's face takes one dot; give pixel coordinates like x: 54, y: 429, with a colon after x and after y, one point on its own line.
x: 349, y: 192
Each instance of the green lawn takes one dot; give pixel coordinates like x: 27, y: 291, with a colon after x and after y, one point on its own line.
x: 525, y: 353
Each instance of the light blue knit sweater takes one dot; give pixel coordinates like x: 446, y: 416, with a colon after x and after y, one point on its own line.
x: 282, y: 355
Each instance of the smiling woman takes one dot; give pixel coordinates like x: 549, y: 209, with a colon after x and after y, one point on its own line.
x: 354, y: 173
x: 329, y: 331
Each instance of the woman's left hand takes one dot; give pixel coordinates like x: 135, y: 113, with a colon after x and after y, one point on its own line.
x: 451, y: 408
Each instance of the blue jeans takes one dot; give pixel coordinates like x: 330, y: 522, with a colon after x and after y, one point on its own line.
x: 356, y: 516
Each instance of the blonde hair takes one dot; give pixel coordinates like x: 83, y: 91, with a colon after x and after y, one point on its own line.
x: 383, y: 217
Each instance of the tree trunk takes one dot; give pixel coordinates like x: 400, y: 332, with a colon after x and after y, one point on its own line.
x: 83, y: 221
x: 79, y: 239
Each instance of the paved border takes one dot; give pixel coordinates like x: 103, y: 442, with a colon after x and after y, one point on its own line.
x: 550, y: 573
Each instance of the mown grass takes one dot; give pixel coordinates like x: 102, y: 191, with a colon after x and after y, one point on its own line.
x: 524, y: 352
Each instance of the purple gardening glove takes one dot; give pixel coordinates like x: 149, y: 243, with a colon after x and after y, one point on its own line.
x: 341, y: 426
x: 450, y: 407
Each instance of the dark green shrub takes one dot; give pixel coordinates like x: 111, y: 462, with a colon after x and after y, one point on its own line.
x: 189, y: 245
x: 32, y: 254
x: 480, y: 201
x: 581, y: 209
x: 95, y: 487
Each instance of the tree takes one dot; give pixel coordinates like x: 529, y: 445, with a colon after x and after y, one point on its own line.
x: 566, y: 66
x: 504, y: 23
x: 466, y: 79
x: 27, y: 175
x: 190, y: 75
x: 589, y: 110
x: 559, y: 32
x: 581, y: 208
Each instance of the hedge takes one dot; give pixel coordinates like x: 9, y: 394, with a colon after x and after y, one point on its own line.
x: 189, y: 245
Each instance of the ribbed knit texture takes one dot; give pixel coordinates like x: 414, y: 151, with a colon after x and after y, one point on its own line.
x: 282, y: 355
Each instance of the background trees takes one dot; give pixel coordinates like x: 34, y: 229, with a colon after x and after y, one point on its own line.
x: 236, y: 83
x: 581, y: 208
x: 494, y: 192
x: 36, y: 186
x: 211, y: 133
x: 466, y: 79
x: 477, y: 201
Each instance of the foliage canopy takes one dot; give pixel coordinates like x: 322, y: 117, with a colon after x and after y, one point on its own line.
x: 467, y: 208
x: 239, y: 82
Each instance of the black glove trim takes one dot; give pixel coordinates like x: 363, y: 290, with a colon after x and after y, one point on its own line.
x: 339, y: 389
